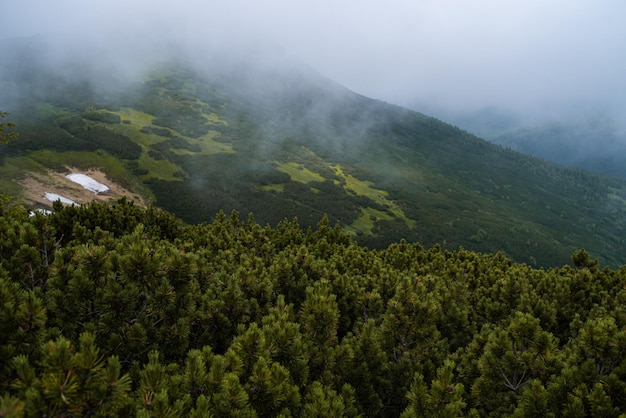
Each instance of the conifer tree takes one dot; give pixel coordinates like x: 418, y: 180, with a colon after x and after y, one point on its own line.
x: 319, y: 317
x: 443, y: 398
x: 323, y: 401
x: 512, y: 358
x: 6, y: 136
x: 22, y: 325
x: 116, y: 310
x: 70, y: 382
x: 286, y: 342
x: 534, y: 402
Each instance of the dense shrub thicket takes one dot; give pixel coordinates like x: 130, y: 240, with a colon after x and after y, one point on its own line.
x: 99, y: 136
x: 116, y: 310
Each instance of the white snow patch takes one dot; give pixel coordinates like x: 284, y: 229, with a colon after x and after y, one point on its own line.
x: 53, y: 197
x: 88, y: 183
x: 45, y: 212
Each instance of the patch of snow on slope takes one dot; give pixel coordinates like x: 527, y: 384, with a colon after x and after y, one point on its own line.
x: 42, y: 211
x: 53, y: 197
x: 88, y: 183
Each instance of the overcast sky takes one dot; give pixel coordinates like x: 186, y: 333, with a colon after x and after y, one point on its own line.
x: 459, y: 54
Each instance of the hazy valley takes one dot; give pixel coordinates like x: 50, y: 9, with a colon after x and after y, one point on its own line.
x: 588, y: 138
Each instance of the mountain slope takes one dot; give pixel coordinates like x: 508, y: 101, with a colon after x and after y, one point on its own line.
x: 596, y: 147
x: 589, y: 140
x: 281, y: 141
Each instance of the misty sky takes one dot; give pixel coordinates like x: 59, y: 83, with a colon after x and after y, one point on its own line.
x: 459, y: 54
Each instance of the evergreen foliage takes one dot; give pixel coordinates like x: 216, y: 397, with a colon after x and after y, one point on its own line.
x: 117, y: 310
x: 5, y: 137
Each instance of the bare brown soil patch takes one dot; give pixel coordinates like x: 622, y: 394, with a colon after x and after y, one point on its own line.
x: 36, y: 185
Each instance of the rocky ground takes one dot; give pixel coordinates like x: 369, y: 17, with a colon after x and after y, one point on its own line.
x: 37, y: 185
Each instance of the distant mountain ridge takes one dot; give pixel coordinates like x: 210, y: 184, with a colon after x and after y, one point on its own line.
x: 280, y: 141
x: 591, y: 141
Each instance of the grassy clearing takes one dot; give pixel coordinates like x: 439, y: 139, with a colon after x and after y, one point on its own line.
x: 279, y: 188
x: 299, y: 172
x: 360, y: 187
x: 85, y: 160
x: 10, y: 188
x: 135, y: 117
x: 13, y: 170
x: 15, y: 167
x: 364, y: 188
x: 615, y: 196
x: 158, y: 169
x: 208, y: 145
x: 133, y: 129
x: 215, y: 119
x: 364, y: 224
x: 163, y: 169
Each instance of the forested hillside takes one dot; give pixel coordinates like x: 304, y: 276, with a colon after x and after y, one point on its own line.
x: 262, y: 134
x: 592, y: 140
x: 597, y: 146
x: 117, y: 310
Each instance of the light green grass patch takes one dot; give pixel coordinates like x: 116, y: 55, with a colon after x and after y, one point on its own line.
x: 135, y: 117
x: 279, y: 188
x: 364, y: 188
x: 215, y: 119
x: 85, y: 160
x: 360, y: 187
x: 15, y: 167
x: 208, y: 145
x: 616, y: 198
x: 158, y: 169
x: 298, y: 172
x: 9, y: 187
x: 133, y: 130
x: 13, y: 170
x: 616, y: 195
x: 80, y: 159
x: 364, y: 224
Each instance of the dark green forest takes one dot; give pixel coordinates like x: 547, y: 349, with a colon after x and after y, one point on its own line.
x: 118, y: 310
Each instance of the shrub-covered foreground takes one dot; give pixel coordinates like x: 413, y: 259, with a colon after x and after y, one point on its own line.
x: 115, y: 310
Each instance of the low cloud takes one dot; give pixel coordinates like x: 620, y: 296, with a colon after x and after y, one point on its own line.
x: 535, y: 56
